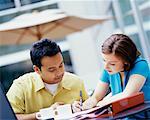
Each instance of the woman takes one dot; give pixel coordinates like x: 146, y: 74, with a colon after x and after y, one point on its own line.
x: 125, y: 72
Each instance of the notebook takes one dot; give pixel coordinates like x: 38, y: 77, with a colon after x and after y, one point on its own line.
x: 106, y: 111
x: 128, y: 102
x: 113, y: 108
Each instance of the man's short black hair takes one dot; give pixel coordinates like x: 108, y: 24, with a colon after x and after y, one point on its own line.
x: 44, y: 47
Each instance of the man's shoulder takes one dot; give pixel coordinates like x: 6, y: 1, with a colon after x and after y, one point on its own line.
x: 22, y: 84
x: 71, y: 77
x: 26, y: 78
x: 72, y: 81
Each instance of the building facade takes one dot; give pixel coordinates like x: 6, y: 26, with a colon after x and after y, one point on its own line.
x: 130, y: 17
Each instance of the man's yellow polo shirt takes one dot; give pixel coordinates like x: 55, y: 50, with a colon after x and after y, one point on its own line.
x: 28, y: 93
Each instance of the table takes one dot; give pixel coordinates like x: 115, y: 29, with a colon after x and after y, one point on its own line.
x: 129, y: 112
x: 126, y: 113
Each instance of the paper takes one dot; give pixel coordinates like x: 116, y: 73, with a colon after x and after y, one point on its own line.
x: 61, y: 112
x: 91, y: 113
x: 45, y: 113
x: 64, y: 112
x: 73, y: 115
x: 111, y: 108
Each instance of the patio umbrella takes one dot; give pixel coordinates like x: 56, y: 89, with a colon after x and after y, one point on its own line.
x: 30, y: 27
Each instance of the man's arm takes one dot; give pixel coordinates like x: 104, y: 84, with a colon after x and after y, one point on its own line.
x: 31, y: 116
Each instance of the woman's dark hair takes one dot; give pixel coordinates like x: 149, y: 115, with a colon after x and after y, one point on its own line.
x: 44, y: 47
x: 122, y: 46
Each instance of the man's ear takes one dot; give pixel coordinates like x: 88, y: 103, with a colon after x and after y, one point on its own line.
x: 36, y: 69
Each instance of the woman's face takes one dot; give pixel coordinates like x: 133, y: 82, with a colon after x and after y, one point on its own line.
x: 112, y: 63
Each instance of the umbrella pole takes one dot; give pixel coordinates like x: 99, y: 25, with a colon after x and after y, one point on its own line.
x: 38, y: 34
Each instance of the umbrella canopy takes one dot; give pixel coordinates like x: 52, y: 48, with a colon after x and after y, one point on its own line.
x: 30, y: 27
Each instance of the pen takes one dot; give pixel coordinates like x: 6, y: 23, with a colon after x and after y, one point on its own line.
x: 81, y: 99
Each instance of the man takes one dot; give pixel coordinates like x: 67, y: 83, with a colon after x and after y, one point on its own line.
x: 48, y: 86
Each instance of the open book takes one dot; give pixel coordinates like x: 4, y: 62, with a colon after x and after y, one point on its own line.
x: 91, y: 113
x: 108, y: 110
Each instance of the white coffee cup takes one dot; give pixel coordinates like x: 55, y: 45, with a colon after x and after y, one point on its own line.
x: 46, y: 113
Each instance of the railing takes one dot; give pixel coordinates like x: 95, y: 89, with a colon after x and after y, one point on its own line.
x: 17, y: 6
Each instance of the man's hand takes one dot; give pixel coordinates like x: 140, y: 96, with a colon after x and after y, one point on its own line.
x: 55, y: 105
x: 76, y: 107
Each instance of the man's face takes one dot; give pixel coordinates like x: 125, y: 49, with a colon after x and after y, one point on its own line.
x: 52, y: 69
x: 112, y: 63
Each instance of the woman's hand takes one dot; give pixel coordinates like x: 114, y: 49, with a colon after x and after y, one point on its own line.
x: 89, y: 103
x: 100, y: 103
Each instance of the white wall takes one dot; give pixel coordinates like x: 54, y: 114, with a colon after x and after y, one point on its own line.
x: 85, y: 45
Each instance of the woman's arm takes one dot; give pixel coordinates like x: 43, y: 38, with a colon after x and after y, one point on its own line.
x: 134, y: 85
x: 99, y: 93
x: 108, y: 96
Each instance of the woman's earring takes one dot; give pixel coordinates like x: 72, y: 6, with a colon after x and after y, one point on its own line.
x: 126, y: 66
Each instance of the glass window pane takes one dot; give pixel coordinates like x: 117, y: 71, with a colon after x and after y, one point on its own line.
x: 136, y: 39
x: 26, y: 2
x: 13, y: 71
x: 6, y: 4
x: 126, y: 12
x: 113, y: 14
x: 13, y: 48
x: 148, y: 35
x: 144, y: 7
x: 141, y: 1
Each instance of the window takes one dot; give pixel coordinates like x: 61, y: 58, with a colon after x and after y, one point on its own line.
x: 13, y: 71
x: 126, y: 10
x: 26, y: 2
x: 6, y: 4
